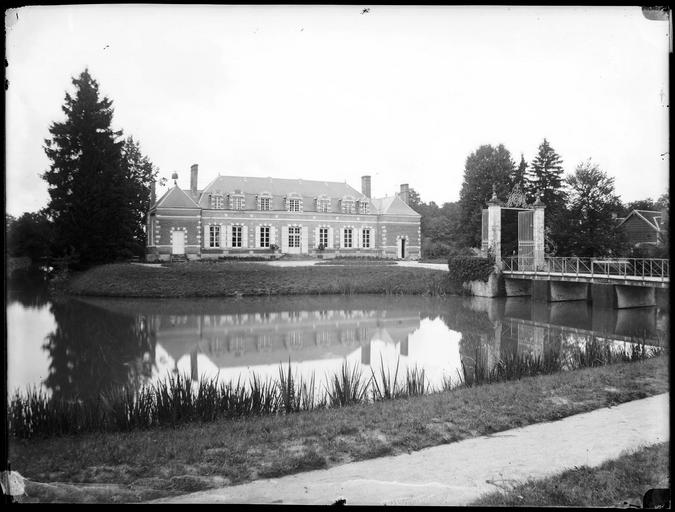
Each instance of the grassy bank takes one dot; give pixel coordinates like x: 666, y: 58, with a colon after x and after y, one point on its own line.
x: 613, y: 484
x: 147, y: 464
x: 228, y: 279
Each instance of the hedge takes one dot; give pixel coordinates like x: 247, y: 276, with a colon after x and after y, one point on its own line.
x: 470, y: 268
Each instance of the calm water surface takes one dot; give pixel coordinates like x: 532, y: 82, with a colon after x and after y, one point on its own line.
x: 77, y: 347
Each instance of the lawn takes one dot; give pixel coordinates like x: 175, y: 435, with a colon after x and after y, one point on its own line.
x: 613, y: 484
x: 231, y: 279
x: 150, y: 464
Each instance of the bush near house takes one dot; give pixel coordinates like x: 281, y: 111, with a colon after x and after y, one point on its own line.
x: 469, y: 268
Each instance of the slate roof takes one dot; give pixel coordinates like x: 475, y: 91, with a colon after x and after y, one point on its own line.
x: 393, y: 206
x: 281, y: 187
x: 175, y: 197
x: 652, y: 218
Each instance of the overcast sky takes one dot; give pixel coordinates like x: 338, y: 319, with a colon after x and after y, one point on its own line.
x: 403, y: 94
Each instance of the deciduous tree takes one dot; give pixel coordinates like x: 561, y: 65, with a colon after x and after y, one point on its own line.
x: 590, y: 226
x: 485, y: 168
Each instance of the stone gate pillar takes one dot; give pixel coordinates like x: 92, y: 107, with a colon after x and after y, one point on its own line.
x: 538, y: 234
x: 495, y: 227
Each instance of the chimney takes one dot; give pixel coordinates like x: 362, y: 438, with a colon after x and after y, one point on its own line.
x: 153, y: 193
x: 193, y: 179
x: 365, y: 186
x: 404, y: 193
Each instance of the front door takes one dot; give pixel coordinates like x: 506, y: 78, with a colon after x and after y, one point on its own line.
x: 178, y: 242
x: 401, y: 248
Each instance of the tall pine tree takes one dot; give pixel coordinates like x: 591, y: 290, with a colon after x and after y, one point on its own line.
x: 486, y: 167
x: 545, y: 177
x: 96, y: 191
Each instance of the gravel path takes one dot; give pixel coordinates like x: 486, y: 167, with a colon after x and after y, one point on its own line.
x: 458, y: 473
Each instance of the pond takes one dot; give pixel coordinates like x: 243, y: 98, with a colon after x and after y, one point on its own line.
x: 80, y: 346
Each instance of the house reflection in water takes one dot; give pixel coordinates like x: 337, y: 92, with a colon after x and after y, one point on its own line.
x: 230, y: 345
x: 231, y: 339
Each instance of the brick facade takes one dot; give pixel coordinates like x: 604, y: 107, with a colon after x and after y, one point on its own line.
x: 186, y: 220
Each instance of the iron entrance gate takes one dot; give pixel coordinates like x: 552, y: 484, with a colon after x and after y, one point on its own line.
x: 526, y: 240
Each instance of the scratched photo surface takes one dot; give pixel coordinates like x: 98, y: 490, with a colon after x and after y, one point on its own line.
x: 411, y: 226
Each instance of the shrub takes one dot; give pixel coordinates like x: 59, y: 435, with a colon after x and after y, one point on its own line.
x: 469, y: 268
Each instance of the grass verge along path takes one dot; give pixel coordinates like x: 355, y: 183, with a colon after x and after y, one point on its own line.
x: 228, y: 279
x: 624, y: 480
x: 151, y: 464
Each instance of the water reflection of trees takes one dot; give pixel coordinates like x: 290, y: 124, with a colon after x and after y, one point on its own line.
x: 29, y: 287
x: 92, y: 349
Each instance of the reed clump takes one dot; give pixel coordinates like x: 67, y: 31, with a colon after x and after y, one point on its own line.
x: 178, y: 399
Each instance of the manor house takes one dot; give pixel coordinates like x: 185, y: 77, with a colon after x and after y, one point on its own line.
x: 244, y: 216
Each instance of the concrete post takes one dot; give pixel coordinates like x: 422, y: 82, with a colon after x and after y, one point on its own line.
x: 538, y: 235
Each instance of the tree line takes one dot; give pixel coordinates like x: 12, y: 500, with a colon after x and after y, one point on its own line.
x: 99, y: 187
x: 582, y: 207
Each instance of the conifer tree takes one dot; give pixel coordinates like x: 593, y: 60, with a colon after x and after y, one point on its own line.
x: 519, y: 175
x: 94, y: 191
x: 545, y: 177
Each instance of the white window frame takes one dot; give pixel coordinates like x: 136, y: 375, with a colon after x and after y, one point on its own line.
x: 323, y: 204
x: 365, y: 238
x: 265, y: 203
x: 216, y: 201
x: 237, y: 236
x: 237, y: 202
x: 265, y: 236
x: 348, y: 238
x: 323, y: 236
x: 294, y: 236
x: 214, y: 236
x: 293, y: 204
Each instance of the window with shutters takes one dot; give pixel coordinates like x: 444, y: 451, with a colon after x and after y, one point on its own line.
x: 365, y: 238
x: 323, y: 237
x: 348, y: 238
x: 214, y: 236
x: 264, y: 236
x: 236, y: 236
x: 294, y: 236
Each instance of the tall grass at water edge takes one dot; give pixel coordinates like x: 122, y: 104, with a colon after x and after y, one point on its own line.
x: 178, y: 400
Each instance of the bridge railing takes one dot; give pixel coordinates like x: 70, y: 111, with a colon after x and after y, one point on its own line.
x: 593, y: 267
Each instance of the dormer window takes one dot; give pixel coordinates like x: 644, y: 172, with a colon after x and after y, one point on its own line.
x: 347, y: 204
x: 216, y: 201
x: 264, y: 201
x: 294, y: 203
x: 237, y: 201
x: 323, y: 204
x: 363, y: 207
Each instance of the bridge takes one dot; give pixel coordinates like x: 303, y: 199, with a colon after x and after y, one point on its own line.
x: 609, y: 282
